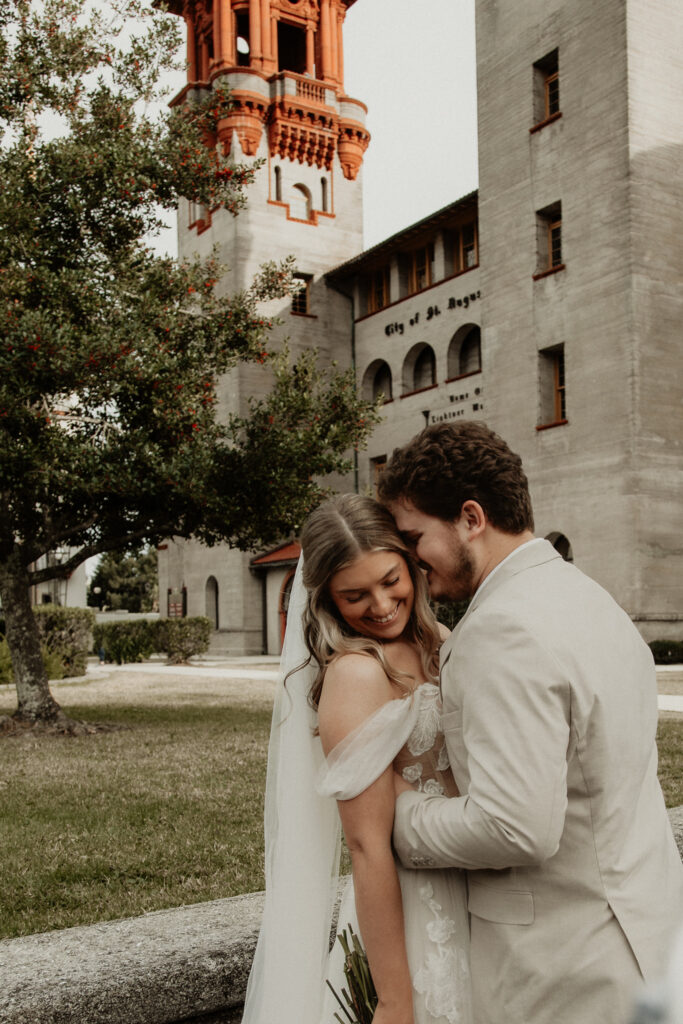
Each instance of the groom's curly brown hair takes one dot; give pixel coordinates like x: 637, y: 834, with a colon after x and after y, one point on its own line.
x: 448, y: 464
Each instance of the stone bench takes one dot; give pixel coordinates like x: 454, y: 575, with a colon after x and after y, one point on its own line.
x: 187, y: 964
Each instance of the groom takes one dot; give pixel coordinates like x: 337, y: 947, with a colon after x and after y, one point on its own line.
x: 550, y: 713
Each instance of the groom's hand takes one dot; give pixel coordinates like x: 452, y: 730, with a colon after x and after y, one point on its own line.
x: 400, y: 785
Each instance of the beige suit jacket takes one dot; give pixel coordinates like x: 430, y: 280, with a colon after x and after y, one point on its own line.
x: 550, y: 712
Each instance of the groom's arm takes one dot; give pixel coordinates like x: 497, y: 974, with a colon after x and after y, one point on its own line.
x: 515, y: 729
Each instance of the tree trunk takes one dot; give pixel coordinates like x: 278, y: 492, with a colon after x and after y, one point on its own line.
x: 35, y: 703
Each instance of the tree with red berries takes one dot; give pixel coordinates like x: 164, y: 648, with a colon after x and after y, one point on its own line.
x: 109, y: 354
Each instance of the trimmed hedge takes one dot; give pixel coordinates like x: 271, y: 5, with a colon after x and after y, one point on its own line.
x: 181, y: 638
x: 125, y: 642
x: 667, y: 652
x: 64, y: 641
x: 132, y: 641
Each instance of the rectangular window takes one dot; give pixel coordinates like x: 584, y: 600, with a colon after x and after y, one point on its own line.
x: 546, y: 88
x: 553, y: 395
x: 555, y: 243
x: 549, y: 239
x: 198, y: 216
x: 461, y: 248
x: 301, y: 297
x: 421, y: 268
x: 378, y: 290
x: 552, y: 94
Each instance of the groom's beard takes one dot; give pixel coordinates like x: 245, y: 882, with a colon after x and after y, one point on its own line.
x: 453, y: 578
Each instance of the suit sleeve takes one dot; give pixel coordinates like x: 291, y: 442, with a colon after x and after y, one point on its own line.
x: 516, y: 731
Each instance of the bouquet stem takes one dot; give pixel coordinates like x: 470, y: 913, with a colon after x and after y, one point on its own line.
x: 360, y: 996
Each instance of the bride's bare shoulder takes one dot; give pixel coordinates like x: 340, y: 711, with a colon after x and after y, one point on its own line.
x: 355, y: 686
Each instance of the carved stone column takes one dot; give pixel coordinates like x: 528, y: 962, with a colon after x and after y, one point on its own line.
x: 192, y: 75
x: 255, y: 46
x: 326, y: 57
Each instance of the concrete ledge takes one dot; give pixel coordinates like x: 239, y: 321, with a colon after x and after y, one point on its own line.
x: 187, y: 964
x: 173, y: 965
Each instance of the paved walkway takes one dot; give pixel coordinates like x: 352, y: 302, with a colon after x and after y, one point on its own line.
x: 265, y: 667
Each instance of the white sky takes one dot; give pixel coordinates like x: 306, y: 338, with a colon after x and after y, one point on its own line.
x: 413, y: 63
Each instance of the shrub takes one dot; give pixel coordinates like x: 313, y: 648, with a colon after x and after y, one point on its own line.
x: 125, y: 642
x: 667, y: 652
x: 54, y: 665
x: 5, y: 662
x: 65, y: 632
x: 179, y: 639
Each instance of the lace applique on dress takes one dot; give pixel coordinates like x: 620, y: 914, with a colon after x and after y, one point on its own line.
x: 439, y: 979
x: 423, y: 761
x: 428, y: 724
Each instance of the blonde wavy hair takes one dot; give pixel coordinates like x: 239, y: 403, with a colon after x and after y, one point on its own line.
x: 333, y: 537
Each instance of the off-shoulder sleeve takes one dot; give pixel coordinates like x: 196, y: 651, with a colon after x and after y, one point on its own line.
x: 362, y: 756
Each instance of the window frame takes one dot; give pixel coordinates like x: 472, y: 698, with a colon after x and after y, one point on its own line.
x: 378, y: 282
x: 553, y: 389
x: 303, y: 290
x: 549, y: 241
x: 550, y: 80
x: 546, y: 90
x: 554, y: 243
x: 426, y: 250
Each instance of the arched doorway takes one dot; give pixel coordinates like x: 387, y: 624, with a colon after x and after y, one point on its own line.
x: 211, y: 600
x: 561, y: 545
x: 285, y: 594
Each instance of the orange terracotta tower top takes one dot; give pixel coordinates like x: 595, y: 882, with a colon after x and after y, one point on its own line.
x: 284, y: 63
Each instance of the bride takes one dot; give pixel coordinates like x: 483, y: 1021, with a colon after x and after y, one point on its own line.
x: 358, y: 702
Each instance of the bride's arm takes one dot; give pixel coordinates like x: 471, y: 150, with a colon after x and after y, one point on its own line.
x: 355, y: 687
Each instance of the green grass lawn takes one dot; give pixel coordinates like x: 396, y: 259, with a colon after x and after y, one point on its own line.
x: 165, y: 811
x: 670, y: 745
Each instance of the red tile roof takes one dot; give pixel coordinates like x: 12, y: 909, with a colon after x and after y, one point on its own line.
x: 285, y: 553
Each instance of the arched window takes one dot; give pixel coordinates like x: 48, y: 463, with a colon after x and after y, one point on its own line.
x: 419, y: 368
x: 377, y: 381
x: 278, y: 184
x: 300, y: 204
x: 464, y: 351
x: 561, y: 545
x: 323, y: 195
x: 211, y: 600
x: 470, y: 352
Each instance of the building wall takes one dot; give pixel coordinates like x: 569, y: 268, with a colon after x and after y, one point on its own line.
x: 608, y: 478
x: 655, y: 86
x: 70, y: 593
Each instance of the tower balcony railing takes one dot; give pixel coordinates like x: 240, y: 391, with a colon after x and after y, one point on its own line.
x: 290, y: 83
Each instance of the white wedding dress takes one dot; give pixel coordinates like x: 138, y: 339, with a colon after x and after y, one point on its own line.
x: 293, y: 958
x: 434, y: 901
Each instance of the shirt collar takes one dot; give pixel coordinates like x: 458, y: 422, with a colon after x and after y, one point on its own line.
x: 515, y: 551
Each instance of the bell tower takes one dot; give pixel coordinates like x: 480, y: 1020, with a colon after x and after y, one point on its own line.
x: 283, y: 61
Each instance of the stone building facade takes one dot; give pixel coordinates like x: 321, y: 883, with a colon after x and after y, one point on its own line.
x: 548, y: 303
x: 580, y: 225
